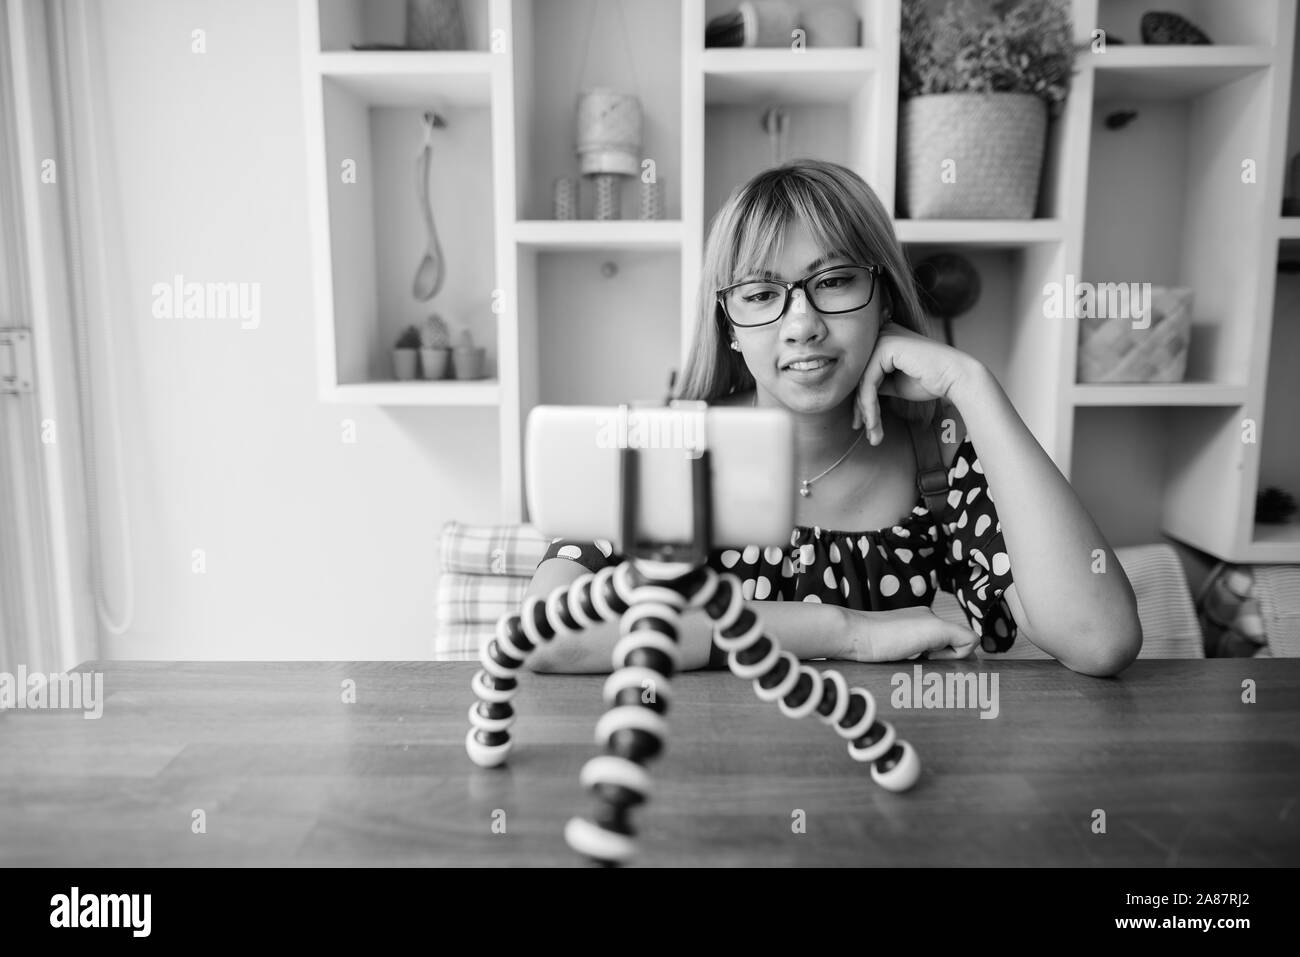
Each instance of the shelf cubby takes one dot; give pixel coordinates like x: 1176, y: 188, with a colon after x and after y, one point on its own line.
x: 376, y: 232
x: 1142, y: 486
x: 627, y: 318
x: 1168, y: 206
x: 840, y: 101
x: 736, y: 147
x: 1226, y: 24
x: 874, y: 28
x: 347, y: 22
x: 577, y: 45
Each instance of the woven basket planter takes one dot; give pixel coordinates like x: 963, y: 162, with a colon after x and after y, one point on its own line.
x: 995, y: 142
x: 1111, y: 350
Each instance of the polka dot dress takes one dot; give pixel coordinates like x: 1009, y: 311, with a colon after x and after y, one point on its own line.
x: 959, y: 550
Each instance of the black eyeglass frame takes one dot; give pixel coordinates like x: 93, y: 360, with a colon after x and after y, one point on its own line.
x: 876, y: 272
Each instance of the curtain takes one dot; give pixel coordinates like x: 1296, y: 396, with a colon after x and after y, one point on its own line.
x: 57, y: 441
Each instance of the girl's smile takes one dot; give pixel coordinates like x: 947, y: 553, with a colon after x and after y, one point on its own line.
x: 810, y: 368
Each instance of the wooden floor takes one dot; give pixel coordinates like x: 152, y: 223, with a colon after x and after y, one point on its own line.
x: 285, y: 772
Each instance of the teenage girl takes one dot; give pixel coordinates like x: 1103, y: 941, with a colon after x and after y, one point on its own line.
x: 807, y: 304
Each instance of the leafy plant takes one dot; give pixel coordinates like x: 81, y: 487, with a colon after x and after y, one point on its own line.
x: 988, y: 46
x: 409, y: 339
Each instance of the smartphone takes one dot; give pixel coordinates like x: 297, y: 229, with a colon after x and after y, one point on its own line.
x: 572, y: 472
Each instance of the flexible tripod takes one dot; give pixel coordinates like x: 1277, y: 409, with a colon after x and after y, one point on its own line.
x: 648, y: 592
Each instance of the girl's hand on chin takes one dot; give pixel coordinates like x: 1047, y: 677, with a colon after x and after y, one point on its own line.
x: 910, y: 366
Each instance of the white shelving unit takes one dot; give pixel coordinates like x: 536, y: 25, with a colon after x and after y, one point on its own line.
x: 600, y: 312
x: 1191, y: 197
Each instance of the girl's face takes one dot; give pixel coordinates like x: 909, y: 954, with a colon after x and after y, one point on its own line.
x: 842, y: 342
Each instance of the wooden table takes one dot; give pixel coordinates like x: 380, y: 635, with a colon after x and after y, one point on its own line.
x: 286, y: 772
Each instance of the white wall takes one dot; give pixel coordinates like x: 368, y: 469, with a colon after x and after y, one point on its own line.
x: 314, y: 548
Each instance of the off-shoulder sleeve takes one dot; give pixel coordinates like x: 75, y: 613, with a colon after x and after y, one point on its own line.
x: 593, y: 555
x: 976, y: 566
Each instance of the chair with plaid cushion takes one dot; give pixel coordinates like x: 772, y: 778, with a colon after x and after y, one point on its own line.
x: 485, y: 572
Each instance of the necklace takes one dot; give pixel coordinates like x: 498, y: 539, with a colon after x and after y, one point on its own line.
x: 805, y: 485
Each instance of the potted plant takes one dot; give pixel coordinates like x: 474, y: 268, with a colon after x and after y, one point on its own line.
x: 467, y: 357
x: 406, y: 353
x: 978, y: 82
x: 435, y: 347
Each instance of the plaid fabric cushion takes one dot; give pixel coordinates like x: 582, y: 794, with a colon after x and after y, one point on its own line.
x: 1169, y: 625
x: 478, y: 599
x: 460, y: 641
x: 485, y: 571
x: 1278, y: 588
x: 491, y: 549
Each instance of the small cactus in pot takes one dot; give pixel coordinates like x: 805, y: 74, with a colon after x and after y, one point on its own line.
x: 467, y: 357
x: 406, y: 353
x: 435, y: 347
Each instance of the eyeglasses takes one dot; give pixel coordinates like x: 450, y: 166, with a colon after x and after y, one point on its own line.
x: 832, y: 290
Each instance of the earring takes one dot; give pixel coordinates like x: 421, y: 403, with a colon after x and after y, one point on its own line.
x: 735, y: 345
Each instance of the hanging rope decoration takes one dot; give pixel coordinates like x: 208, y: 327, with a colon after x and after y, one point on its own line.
x: 776, y: 124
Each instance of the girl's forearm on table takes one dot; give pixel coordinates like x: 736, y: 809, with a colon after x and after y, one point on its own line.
x: 591, y: 651
x: 806, y: 629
